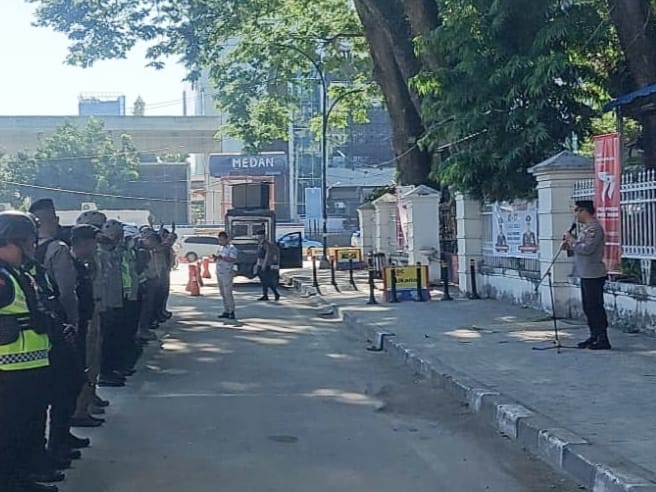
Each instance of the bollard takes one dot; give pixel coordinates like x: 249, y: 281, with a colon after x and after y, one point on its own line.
x: 189, y: 279
x: 315, y: 279
x: 395, y: 297
x: 333, y: 279
x: 351, y: 279
x: 194, y: 280
x: 420, y: 293
x: 445, y: 281
x: 472, y: 270
x: 372, y: 297
x: 206, y: 268
x: 198, y: 271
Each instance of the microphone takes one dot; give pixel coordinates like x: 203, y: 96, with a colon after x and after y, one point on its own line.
x: 572, y: 229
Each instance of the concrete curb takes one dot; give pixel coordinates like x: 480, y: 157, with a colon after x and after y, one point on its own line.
x: 599, y: 470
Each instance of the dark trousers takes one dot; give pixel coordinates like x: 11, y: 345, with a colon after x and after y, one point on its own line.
x: 23, y: 402
x: 129, y: 322
x: 269, y: 280
x: 164, y: 289
x: 111, y: 340
x: 66, y: 380
x: 149, y: 296
x: 592, y: 296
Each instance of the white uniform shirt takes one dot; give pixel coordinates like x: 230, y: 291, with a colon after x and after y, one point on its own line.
x: 224, y: 267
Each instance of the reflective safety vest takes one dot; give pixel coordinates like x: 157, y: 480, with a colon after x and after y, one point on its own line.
x: 126, y: 278
x: 30, y: 350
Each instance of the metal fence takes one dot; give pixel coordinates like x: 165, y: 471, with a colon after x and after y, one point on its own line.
x: 638, y: 212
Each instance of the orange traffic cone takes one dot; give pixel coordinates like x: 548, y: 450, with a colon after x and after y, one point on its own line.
x: 206, y: 268
x: 189, y: 279
x: 194, y: 278
x: 198, y: 270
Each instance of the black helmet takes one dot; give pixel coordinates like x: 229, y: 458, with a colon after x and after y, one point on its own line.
x: 17, y: 226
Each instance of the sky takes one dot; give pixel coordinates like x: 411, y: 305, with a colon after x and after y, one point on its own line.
x: 36, y: 81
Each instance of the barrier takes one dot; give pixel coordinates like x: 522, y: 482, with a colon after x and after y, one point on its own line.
x: 410, y: 283
x: 445, y: 281
x: 370, y: 267
x: 380, y: 263
x: 351, y: 279
x: 193, y: 286
x: 345, y: 257
x: 333, y: 278
x: 315, y: 279
x: 472, y: 271
x: 206, y: 268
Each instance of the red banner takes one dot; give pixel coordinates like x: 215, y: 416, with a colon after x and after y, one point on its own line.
x: 607, y: 166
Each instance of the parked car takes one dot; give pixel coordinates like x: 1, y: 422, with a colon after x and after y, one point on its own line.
x: 194, y: 247
x: 317, y: 246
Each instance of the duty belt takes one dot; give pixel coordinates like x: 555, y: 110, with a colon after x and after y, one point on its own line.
x: 23, y: 357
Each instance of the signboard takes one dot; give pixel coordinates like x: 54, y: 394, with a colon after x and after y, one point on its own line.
x: 515, y: 229
x: 313, y: 204
x: 406, y: 283
x: 343, y: 257
x: 265, y: 164
x: 607, y: 164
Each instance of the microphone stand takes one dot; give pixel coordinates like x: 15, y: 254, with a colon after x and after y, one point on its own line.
x: 548, y: 274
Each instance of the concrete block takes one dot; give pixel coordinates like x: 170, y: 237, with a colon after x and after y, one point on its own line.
x: 552, y: 443
x: 508, y: 415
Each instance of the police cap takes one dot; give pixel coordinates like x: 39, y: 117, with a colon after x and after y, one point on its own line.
x: 17, y: 226
x: 42, y: 204
x: 84, y: 231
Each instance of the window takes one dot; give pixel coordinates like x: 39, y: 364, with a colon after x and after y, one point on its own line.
x: 202, y: 240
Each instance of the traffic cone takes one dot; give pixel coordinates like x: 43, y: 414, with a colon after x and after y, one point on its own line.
x: 194, y: 284
x: 198, y: 270
x: 189, y: 279
x: 206, y: 268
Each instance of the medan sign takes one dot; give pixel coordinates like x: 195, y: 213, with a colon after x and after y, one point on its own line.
x: 265, y: 164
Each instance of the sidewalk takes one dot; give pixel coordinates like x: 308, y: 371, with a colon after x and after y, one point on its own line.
x: 590, y: 414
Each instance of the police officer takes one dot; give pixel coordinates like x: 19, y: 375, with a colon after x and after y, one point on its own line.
x: 588, y: 249
x: 24, y: 347
x: 268, y: 266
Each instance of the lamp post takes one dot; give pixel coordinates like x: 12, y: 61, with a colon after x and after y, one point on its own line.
x: 326, y: 110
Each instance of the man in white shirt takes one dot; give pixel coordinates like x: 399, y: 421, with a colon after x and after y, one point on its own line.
x: 225, y: 257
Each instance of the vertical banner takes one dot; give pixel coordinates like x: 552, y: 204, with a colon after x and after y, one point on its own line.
x: 607, y: 167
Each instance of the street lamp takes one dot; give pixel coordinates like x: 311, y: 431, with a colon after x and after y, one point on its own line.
x: 326, y: 111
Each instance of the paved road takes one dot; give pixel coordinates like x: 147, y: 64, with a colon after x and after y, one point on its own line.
x: 287, y: 401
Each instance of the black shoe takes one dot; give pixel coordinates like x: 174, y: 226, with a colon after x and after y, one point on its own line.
x: 167, y: 314
x: 66, y: 454
x: 586, y: 343
x: 99, y: 402
x: 111, y: 380
x: 88, y: 421
x: 224, y: 316
x: 601, y: 344
x: 277, y: 297
x: 231, y: 316
x: 125, y: 373
x: 77, y: 442
x: 47, y: 476
x: 263, y: 298
x: 94, y: 410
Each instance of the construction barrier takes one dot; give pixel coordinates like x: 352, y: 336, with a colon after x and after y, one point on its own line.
x: 348, y: 256
x: 406, y: 283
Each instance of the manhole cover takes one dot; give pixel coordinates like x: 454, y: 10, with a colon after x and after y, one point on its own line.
x: 284, y: 439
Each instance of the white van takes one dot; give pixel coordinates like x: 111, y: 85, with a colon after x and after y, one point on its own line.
x: 193, y: 248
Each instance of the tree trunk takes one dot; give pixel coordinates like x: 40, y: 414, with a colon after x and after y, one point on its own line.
x: 388, y: 33
x: 636, y: 28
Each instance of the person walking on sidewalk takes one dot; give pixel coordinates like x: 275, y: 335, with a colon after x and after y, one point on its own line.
x: 268, y: 266
x: 588, y: 249
x: 225, y: 258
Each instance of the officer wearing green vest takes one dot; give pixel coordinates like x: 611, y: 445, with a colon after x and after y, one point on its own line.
x: 24, y: 350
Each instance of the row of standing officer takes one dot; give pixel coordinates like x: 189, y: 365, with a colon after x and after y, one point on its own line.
x: 75, y: 311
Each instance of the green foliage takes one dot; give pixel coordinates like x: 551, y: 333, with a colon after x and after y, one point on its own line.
x: 254, y: 49
x: 519, y: 78
x: 86, y: 160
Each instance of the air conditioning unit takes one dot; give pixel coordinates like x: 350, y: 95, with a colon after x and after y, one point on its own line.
x: 88, y: 206
x: 5, y: 206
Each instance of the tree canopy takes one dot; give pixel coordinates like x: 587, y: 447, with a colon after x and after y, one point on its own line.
x: 477, y: 90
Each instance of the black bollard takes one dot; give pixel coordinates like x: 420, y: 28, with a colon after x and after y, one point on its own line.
x: 372, y: 297
x: 445, y: 281
x: 333, y: 279
x: 472, y: 271
x: 351, y: 279
x: 315, y: 279
x: 395, y: 297
x: 420, y: 293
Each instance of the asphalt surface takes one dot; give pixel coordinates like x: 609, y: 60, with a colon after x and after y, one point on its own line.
x: 285, y: 400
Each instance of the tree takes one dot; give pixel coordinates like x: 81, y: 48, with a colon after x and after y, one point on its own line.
x: 518, y: 78
x: 83, y: 160
x: 20, y: 168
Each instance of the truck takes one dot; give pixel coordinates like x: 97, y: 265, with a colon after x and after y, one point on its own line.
x: 242, y: 225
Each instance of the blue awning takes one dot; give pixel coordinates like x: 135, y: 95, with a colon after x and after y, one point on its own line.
x: 647, y: 90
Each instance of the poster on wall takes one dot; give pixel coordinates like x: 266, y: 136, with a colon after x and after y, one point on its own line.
x: 515, y: 229
x: 607, y: 195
